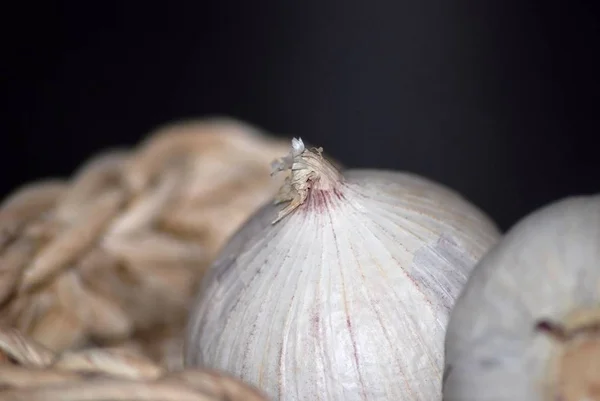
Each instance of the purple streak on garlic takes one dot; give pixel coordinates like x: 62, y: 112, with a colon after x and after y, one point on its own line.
x: 342, y: 290
x: 527, y: 325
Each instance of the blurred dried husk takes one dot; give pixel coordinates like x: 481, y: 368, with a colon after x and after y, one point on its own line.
x: 31, y: 372
x: 113, y: 256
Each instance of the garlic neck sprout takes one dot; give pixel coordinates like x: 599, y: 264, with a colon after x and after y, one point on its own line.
x: 341, y: 289
x: 309, y: 171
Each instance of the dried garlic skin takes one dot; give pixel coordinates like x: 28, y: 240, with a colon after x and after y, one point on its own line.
x: 347, y: 296
x: 545, y: 271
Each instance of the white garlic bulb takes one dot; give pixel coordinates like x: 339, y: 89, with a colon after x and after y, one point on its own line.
x: 344, y: 293
x: 527, y: 325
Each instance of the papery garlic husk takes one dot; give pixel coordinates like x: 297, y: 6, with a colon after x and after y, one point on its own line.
x: 343, y: 291
x: 527, y: 326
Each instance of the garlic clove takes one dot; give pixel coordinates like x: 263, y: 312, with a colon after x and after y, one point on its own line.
x: 525, y: 327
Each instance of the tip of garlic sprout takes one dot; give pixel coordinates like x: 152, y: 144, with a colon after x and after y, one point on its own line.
x: 297, y: 146
x: 286, y: 162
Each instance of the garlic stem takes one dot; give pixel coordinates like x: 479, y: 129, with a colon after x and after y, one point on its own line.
x: 309, y: 171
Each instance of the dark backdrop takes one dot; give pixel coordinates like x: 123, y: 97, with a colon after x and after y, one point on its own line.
x: 497, y: 99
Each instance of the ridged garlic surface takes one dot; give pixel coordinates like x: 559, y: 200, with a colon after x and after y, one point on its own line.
x: 527, y: 326
x: 343, y: 291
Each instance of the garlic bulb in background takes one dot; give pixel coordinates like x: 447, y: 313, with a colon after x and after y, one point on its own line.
x: 527, y: 327
x: 344, y: 291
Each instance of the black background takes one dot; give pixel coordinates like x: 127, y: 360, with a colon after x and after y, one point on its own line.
x: 497, y: 99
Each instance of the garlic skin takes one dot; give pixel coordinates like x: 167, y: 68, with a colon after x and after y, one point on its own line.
x: 342, y: 292
x: 526, y: 327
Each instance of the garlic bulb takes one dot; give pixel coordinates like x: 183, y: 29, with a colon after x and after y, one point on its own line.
x: 344, y: 291
x: 527, y: 326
